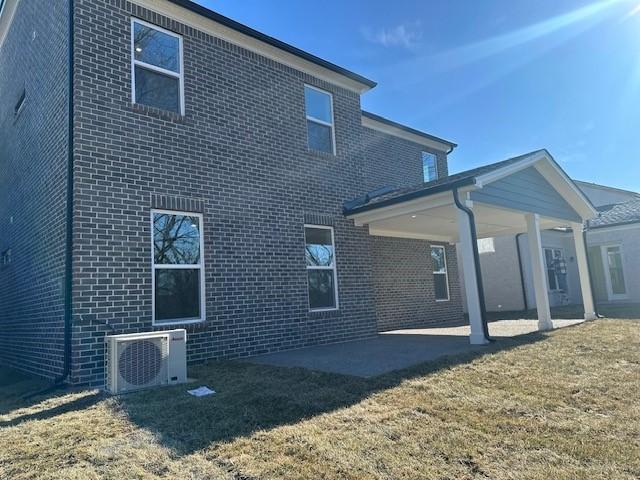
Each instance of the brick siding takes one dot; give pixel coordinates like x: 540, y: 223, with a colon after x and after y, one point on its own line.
x: 33, y: 165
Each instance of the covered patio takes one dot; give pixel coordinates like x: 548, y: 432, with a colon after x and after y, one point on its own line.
x: 525, y: 194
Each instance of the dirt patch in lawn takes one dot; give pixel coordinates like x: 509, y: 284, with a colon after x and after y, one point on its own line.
x: 565, y: 406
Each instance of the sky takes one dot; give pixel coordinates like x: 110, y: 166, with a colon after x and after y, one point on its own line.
x: 497, y: 77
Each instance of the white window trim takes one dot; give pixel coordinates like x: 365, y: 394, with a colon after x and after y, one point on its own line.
x: 445, y: 273
x: 435, y: 164
x: 164, y: 71
x: 322, y: 122
x: 334, y: 268
x: 154, y: 267
x: 556, y: 290
x: 607, y: 272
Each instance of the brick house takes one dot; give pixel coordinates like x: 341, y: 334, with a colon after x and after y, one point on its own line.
x: 162, y: 165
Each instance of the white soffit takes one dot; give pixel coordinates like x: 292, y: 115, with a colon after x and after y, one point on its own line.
x: 398, y: 132
x: 223, y: 32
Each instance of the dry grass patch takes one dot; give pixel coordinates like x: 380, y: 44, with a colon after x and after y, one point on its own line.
x: 565, y: 407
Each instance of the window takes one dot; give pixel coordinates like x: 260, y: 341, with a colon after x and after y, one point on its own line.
x: 319, y: 106
x: 321, y: 268
x: 429, y: 166
x: 5, y: 258
x: 556, y: 269
x: 156, y: 67
x: 615, y: 280
x: 440, y: 275
x: 178, y: 267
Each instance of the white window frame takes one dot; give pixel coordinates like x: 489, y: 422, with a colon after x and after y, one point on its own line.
x: 445, y: 273
x: 607, y: 272
x: 561, y: 250
x: 148, y: 66
x: 435, y: 163
x: 154, y: 267
x: 322, y: 122
x: 334, y: 268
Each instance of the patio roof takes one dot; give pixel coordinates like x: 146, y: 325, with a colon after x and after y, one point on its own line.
x: 503, y: 193
x: 469, y: 177
x: 528, y: 193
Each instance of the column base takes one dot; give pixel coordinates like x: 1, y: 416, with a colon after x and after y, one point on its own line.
x: 545, y: 325
x: 590, y: 316
x: 478, y: 340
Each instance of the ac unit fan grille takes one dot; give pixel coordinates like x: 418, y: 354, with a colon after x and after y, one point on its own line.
x: 141, y: 362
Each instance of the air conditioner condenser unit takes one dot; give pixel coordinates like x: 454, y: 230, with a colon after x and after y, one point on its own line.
x: 143, y: 360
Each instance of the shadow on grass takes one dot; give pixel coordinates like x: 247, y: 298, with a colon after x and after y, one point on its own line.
x: 249, y: 398
x: 254, y: 397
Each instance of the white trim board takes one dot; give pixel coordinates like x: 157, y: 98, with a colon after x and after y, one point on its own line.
x: 230, y: 35
x: 398, y: 132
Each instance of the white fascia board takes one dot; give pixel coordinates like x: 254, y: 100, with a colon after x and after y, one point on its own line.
x: 230, y: 35
x: 613, y: 228
x: 403, y: 208
x: 398, y: 132
x: 566, y: 188
x: 503, y: 172
x: 6, y: 18
x: 550, y: 170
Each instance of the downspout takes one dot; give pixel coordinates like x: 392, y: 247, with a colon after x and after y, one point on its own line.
x: 476, y: 261
x: 521, y: 269
x: 68, y: 296
x: 589, y: 269
x: 68, y: 266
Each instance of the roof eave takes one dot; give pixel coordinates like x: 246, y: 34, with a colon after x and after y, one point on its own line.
x: 427, y: 192
x: 365, y: 83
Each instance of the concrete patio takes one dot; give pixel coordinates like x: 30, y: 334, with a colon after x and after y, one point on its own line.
x: 396, y: 350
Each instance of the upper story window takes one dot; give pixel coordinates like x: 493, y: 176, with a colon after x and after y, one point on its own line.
x: 157, y: 67
x: 320, y: 130
x: 429, y: 166
x: 178, y: 267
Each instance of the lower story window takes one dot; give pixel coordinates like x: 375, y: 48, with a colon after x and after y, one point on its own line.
x: 321, y: 267
x: 440, y: 275
x: 178, y: 267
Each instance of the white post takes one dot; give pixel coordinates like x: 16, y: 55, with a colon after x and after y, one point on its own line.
x: 470, y: 280
x: 539, y: 270
x: 583, y: 270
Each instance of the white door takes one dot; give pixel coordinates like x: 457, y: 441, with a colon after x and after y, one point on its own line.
x: 614, y: 272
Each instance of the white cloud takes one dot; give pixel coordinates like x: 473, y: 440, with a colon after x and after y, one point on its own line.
x: 406, y: 35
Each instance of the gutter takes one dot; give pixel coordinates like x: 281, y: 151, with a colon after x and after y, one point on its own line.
x: 476, y: 261
x: 521, y: 270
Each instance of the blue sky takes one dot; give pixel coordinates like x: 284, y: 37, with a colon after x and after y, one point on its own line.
x: 498, y: 77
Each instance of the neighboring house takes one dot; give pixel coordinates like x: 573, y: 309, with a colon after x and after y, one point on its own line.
x: 163, y: 166
x: 612, y: 239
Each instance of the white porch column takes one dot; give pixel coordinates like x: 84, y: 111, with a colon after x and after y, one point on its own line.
x: 539, y: 270
x: 470, y: 280
x: 583, y: 270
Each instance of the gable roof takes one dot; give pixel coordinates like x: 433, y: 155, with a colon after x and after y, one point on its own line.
x: 429, y: 188
x: 365, y: 83
x: 477, y: 177
x: 624, y: 213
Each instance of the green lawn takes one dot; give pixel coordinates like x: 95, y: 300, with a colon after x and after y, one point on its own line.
x: 559, y: 405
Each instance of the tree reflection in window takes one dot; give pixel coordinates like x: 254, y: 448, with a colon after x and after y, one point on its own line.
x: 176, y: 239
